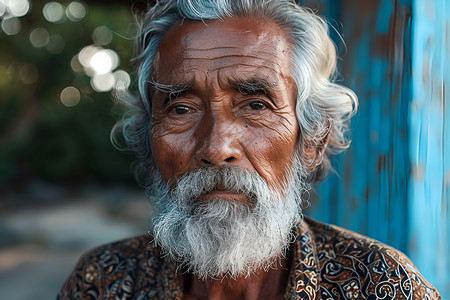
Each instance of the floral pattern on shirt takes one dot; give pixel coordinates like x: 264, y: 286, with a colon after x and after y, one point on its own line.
x: 328, y: 262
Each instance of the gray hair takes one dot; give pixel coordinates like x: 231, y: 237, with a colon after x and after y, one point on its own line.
x: 323, y: 107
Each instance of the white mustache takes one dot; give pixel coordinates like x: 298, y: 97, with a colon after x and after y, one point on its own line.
x: 202, y: 181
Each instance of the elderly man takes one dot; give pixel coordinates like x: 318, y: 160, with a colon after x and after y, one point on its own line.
x: 237, y: 115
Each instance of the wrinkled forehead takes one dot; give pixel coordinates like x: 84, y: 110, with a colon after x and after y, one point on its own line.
x: 239, y: 39
x: 247, y: 32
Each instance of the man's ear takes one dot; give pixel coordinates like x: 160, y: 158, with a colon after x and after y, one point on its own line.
x: 313, y: 151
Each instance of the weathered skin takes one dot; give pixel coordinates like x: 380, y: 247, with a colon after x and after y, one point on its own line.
x: 217, y: 124
x: 220, y: 126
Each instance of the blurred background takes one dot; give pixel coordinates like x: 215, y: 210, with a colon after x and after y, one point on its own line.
x: 64, y: 188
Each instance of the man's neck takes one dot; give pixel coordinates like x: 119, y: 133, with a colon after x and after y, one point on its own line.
x: 259, y: 285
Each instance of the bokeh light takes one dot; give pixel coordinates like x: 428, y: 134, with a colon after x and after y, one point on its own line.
x: 29, y: 74
x: 122, y: 80
x: 75, y: 64
x: 99, y: 64
x: 76, y: 11
x: 16, y: 8
x: 84, y: 57
x: 39, y: 37
x: 103, y: 82
x: 6, y: 76
x: 104, y: 61
x: 11, y: 26
x: 53, y: 12
x: 55, y: 44
x: 2, y: 8
x: 97, y: 60
x: 102, y: 35
x: 70, y: 96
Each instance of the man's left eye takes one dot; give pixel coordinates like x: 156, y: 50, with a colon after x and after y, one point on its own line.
x: 256, y: 105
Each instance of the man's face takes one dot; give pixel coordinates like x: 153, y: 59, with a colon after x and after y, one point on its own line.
x: 224, y: 97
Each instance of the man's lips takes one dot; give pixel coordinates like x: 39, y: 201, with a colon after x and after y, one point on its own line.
x: 219, y: 192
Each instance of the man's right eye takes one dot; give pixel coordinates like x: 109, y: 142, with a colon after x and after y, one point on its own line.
x: 180, y: 109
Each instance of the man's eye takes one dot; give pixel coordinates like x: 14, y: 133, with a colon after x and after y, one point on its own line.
x: 181, y: 110
x: 257, y: 105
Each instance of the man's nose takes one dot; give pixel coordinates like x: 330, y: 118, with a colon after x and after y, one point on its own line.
x: 218, y: 144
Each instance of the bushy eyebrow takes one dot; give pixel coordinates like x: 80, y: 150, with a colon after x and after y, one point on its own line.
x: 172, y: 91
x: 253, y: 86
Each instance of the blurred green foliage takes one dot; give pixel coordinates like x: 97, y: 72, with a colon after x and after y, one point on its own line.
x: 42, y: 138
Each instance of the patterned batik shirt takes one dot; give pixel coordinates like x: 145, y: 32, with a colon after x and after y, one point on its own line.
x: 328, y: 262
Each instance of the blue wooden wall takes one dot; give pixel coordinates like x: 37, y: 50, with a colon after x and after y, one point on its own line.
x: 394, y: 182
x: 429, y: 125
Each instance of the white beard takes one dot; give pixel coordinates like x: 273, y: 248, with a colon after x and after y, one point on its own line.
x: 219, y: 238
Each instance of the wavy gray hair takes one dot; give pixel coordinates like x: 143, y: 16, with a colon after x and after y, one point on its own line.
x: 323, y: 107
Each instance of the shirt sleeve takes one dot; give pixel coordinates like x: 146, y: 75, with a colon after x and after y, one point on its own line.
x: 85, y: 281
x: 405, y: 279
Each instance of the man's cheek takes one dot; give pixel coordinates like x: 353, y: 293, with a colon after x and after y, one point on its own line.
x: 172, y: 156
